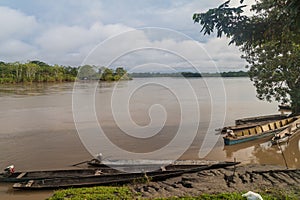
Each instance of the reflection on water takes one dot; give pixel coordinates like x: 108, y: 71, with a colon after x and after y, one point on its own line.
x: 7, y: 193
x: 263, y: 152
x: 33, y: 89
x: 37, y: 89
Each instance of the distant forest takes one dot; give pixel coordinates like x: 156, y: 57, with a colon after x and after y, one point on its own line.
x: 37, y: 71
x: 189, y: 74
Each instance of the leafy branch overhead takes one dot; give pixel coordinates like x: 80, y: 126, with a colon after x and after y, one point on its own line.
x: 269, y: 40
x: 224, y: 19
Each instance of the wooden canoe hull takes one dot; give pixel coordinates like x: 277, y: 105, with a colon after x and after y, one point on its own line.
x: 251, y: 122
x: 38, y: 175
x: 94, y: 180
x: 143, y: 167
x: 112, y: 179
x: 257, y: 132
x: 232, y: 141
x: 260, y: 119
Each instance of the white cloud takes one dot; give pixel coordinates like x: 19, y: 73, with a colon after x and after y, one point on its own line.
x: 224, y: 55
x: 75, y: 42
x: 17, y: 50
x: 135, y: 48
x: 16, y: 31
x: 65, y: 32
x: 15, y: 24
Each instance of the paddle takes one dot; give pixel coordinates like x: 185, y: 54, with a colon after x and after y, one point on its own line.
x: 80, y: 163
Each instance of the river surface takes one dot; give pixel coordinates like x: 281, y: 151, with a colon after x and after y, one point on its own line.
x: 143, y: 118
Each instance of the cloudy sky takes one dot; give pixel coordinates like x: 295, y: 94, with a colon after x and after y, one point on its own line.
x: 103, y: 32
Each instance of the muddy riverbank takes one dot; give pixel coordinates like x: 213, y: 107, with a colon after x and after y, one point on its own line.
x: 257, y: 178
x: 263, y: 179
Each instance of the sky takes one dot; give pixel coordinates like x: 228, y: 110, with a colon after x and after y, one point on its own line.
x: 143, y: 35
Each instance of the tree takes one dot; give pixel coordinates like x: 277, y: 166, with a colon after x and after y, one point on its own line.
x: 107, y: 75
x: 35, y: 71
x: 30, y: 70
x: 270, y: 42
x: 87, y: 72
x: 121, y: 74
x: 120, y: 71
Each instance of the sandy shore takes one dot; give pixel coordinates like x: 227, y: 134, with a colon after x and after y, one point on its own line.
x: 258, y: 178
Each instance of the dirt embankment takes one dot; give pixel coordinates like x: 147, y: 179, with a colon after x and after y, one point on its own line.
x: 242, y: 178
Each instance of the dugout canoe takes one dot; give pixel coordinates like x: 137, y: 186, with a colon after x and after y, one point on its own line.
x: 50, y: 174
x: 113, y: 179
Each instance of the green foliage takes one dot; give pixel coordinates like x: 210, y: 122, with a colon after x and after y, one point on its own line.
x: 191, y: 74
x: 154, y: 74
x: 93, y: 193
x: 101, y: 192
x: 114, y: 75
x: 270, y: 41
x: 235, y: 74
x: 35, y: 71
x: 224, y: 19
x: 107, y: 75
x: 88, y: 72
x: 120, y: 71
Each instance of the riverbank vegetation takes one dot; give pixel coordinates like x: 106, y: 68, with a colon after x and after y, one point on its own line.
x: 93, y: 193
x: 37, y: 71
x: 88, y: 72
x: 116, y: 193
x: 190, y: 74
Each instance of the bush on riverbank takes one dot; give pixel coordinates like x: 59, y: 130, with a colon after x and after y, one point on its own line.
x: 116, y: 193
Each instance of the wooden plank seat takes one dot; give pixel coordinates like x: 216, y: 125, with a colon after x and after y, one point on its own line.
x: 21, y: 175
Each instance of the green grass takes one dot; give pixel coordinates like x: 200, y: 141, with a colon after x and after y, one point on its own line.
x: 93, y: 193
x: 116, y: 193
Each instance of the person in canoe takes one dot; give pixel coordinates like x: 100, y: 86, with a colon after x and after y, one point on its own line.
x: 9, y: 170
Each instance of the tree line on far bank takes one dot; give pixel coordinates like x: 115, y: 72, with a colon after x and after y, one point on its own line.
x: 37, y: 71
x: 189, y: 74
x: 88, y: 72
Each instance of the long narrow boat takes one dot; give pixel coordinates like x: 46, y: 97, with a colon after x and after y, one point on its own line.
x: 109, y: 179
x: 147, y: 165
x: 259, y: 131
x: 38, y: 175
x: 251, y: 122
x: 260, y: 119
x: 124, y: 165
x: 99, y: 169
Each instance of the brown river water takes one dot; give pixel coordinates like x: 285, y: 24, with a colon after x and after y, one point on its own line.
x: 38, y: 130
